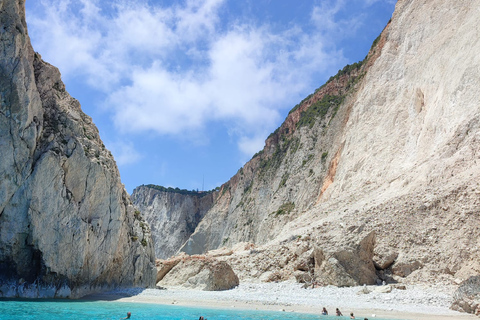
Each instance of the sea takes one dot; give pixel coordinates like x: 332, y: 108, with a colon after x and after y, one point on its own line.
x: 68, y: 309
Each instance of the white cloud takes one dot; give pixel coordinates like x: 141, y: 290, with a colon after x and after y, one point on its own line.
x: 125, y: 152
x: 198, y: 18
x: 328, y: 19
x: 251, y: 145
x: 372, y: 2
x: 159, y: 101
x: 175, y: 70
x: 324, y: 14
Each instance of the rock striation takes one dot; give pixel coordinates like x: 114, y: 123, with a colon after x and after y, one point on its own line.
x: 172, y: 215
x: 67, y: 225
x: 389, y: 145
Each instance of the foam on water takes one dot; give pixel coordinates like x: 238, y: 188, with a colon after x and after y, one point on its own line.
x: 60, y: 309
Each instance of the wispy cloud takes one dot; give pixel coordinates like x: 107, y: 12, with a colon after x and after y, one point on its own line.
x: 175, y: 70
x: 371, y: 2
x: 125, y: 152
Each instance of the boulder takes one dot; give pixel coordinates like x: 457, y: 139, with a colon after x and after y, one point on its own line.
x: 384, y: 289
x: 349, y: 265
x: 404, y: 268
x: 201, y: 273
x: 467, y: 296
x: 364, y: 290
x: 164, y: 267
x: 383, y: 259
x: 270, y: 276
x: 303, y: 277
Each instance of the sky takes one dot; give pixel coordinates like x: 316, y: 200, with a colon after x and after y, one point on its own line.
x: 184, y: 93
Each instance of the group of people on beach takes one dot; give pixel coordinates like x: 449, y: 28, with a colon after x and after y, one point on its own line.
x: 324, y: 313
x: 129, y: 314
x: 338, y: 313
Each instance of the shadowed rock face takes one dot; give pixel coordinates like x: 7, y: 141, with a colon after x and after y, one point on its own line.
x: 67, y: 226
x: 172, y: 216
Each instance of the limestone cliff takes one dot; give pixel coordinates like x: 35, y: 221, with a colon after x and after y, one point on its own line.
x: 287, y: 177
x: 67, y: 225
x: 172, y: 215
x: 390, y: 145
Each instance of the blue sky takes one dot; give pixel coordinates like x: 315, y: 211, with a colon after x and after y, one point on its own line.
x: 185, y: 92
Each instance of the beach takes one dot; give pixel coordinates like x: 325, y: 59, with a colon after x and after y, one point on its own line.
x: 416, y: 302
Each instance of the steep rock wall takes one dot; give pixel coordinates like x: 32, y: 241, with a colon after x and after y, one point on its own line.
x: 172, y: 216
x: 417, y: 112
x: 67, y: 225
x: 286, y: 178
x: 398, y: 155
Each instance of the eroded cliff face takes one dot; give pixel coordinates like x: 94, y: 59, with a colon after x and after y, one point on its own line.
x: 390, y: 147
x: 67, y: 225
x: 285, y: 179
x: 172, y: 216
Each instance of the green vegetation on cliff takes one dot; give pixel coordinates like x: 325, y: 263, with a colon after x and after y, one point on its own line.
x: 181, y: 191
x: 319, y: 109
x: 285, y: 208
x: 274, y: 161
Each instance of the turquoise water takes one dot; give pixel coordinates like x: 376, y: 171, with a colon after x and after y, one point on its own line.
x: 40, y: 310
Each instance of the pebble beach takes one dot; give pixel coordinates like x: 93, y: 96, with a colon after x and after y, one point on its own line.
x: 416, y: 302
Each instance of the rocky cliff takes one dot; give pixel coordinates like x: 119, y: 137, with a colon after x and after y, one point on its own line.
x: 173, y: 215
x: 377, y: 170
x: 289, y: 175
x: 67, y: 225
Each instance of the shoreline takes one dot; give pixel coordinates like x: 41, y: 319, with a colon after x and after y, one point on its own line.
x: 415, y: 303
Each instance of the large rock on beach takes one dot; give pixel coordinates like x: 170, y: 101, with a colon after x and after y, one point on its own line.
x: 348, y: 265
x: 200, y: 273
x: 67, y: 225
x: 467, y: 296
x: 164, y: 266
x: 404, y: 267
x: 384, y: 257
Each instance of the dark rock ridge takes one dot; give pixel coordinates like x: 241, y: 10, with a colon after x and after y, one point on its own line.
x: 67, y: 225
x: 173, y: 215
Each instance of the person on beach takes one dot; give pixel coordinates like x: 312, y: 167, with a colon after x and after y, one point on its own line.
x: 129, y: 314
x: 338, y: 313
x: 324, y: 312
x: 352, y: 316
